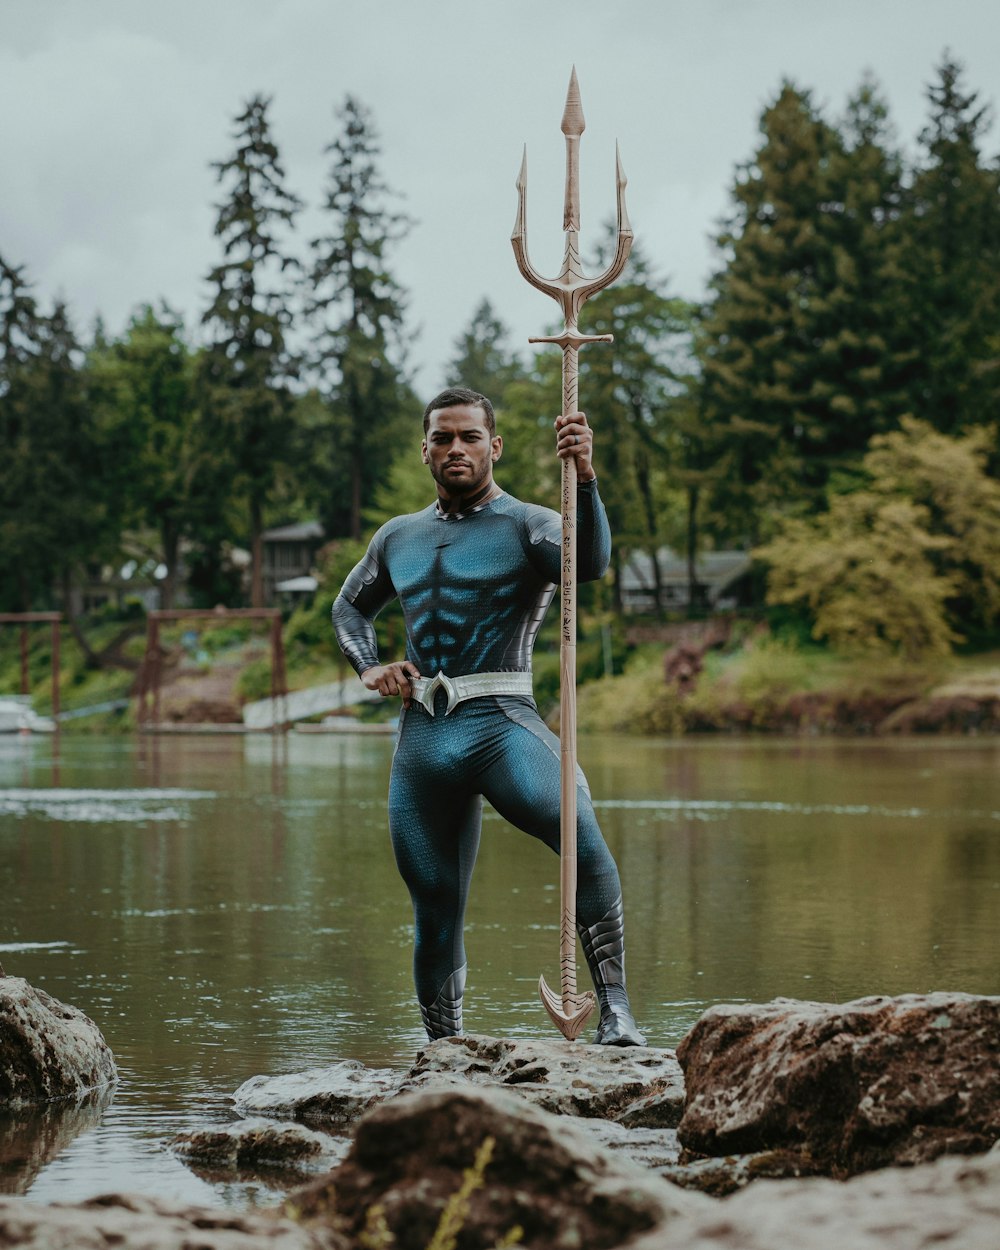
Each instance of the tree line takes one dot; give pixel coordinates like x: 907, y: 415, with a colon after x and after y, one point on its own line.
x: 830, y: 405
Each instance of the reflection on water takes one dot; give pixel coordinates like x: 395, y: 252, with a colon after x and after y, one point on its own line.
x: 229, y: 906
x: 31, y: 1137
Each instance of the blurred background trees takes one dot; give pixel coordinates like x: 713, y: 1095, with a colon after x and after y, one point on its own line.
x: 831, y: 406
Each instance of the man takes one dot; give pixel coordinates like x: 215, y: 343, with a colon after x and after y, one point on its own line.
x: 474, y: 573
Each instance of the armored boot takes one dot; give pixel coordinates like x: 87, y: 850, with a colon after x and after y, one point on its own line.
x: 443, y: 1018
x: 604, y: 950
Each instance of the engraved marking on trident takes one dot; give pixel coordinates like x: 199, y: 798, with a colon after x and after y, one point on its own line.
x: 571, y: 289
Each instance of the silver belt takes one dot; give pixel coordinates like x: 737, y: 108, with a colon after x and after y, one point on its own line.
x: 472, y: 686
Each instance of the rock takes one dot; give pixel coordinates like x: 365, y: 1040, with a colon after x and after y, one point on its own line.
x: 570, y: 1078
x: 654, y: 1148
x: 845, y: 1087
x: 722, y: 1176
x: 259, y: 1148
x: 951, y: 1202
x: 544, y: 1176
x: 31, y: 1137
x: 335, y: 1095
x: 47, y: 1049
x: 130, y: 1221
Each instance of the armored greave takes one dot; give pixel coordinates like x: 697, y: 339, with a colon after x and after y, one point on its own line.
x: 443, y: 1018
x: 604, y: 949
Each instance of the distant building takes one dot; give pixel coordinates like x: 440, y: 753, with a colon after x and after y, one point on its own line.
x: 289, y: 558
x: 723, y: 576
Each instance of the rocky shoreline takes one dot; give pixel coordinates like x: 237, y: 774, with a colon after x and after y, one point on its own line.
x: 786, y: 1124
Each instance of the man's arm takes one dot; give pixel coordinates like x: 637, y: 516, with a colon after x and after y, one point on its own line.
x: 366, y: 591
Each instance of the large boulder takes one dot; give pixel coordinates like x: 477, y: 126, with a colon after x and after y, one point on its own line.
x: 845, y: 1087
x: 47, y: 1049
x: 492, y: 1164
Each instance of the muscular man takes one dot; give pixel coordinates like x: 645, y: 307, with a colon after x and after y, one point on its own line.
x: 474, y: 573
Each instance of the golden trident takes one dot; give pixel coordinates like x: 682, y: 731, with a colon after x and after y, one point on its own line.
x: 572, y: 288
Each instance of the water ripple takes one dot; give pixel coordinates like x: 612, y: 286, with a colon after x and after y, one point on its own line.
x: 747, y: 805
x: 100, y: 806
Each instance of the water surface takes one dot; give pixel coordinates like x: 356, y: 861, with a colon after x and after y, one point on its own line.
x: 226, y: 906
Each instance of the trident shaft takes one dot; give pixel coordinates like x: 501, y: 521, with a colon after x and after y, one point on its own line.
x: 571, y: 289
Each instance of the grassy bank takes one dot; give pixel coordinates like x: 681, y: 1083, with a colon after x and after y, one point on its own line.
x: 753, y: 683
x: 766, y: 685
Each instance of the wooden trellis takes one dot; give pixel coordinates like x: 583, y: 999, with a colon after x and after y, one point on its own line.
x: 24, y: 619
x: 150, y: 674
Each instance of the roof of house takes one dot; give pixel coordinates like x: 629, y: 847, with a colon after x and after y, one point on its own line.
x: 712, y: 568
x: 300, y: 531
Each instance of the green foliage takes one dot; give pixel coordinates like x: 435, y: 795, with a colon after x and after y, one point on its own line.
x: 904, y: 564
x: 254, y: 681
x: 245, y: 373
x: 356, y: 310
x: 951, y: 277
x: 798, y: 346
x: 51, y: 458
x: 866, y: 572
x: 142, y: 389
x: 949, y: 477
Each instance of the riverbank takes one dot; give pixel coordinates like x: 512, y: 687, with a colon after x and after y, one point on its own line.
x: 714, y: 677
x: 768, y: 686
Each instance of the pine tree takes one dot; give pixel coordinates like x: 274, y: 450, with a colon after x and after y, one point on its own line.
x: 357, y: 310
x: 863, y: 355
x: 483, y: 359
x: 952, y: 269
x: 53, y: 514
x: 249, y: 365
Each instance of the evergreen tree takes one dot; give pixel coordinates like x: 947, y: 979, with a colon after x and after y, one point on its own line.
x: 800, y: 347
x: 248, y: 367
x: 53, y: 515
x: 483, y: 360
x: 952, y: 268
x: 143, y: 388
x: 357, y: 309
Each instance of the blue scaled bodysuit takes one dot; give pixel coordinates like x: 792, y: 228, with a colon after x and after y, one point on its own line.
x: 474, y: 587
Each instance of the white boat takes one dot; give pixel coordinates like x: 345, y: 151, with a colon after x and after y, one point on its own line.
x: 16, y: 716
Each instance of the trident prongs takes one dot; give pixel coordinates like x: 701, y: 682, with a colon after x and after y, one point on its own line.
x: 569, y: 1010
x: 572, y: 288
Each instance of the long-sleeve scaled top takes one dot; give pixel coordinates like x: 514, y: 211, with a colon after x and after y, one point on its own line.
x: 473, y: 587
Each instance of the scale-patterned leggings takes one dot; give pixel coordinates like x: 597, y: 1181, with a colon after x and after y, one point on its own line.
x: 496, y: 748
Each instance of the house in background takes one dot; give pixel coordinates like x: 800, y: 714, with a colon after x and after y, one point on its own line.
x: 723, y: 578
x: 289, y: 559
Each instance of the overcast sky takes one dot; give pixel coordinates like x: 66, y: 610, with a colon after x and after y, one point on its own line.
x: 112, y: 110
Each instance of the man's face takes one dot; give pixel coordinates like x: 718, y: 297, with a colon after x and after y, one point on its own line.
x: 459, y: 450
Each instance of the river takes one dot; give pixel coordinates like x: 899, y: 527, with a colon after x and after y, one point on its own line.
x: 228, y: 906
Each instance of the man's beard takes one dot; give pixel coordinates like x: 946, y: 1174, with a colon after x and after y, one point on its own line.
x: 478, y: 484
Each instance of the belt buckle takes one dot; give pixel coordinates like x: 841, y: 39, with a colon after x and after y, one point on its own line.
x: 440, y: 682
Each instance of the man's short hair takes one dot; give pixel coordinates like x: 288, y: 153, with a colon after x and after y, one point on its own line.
x: 455, y: 397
